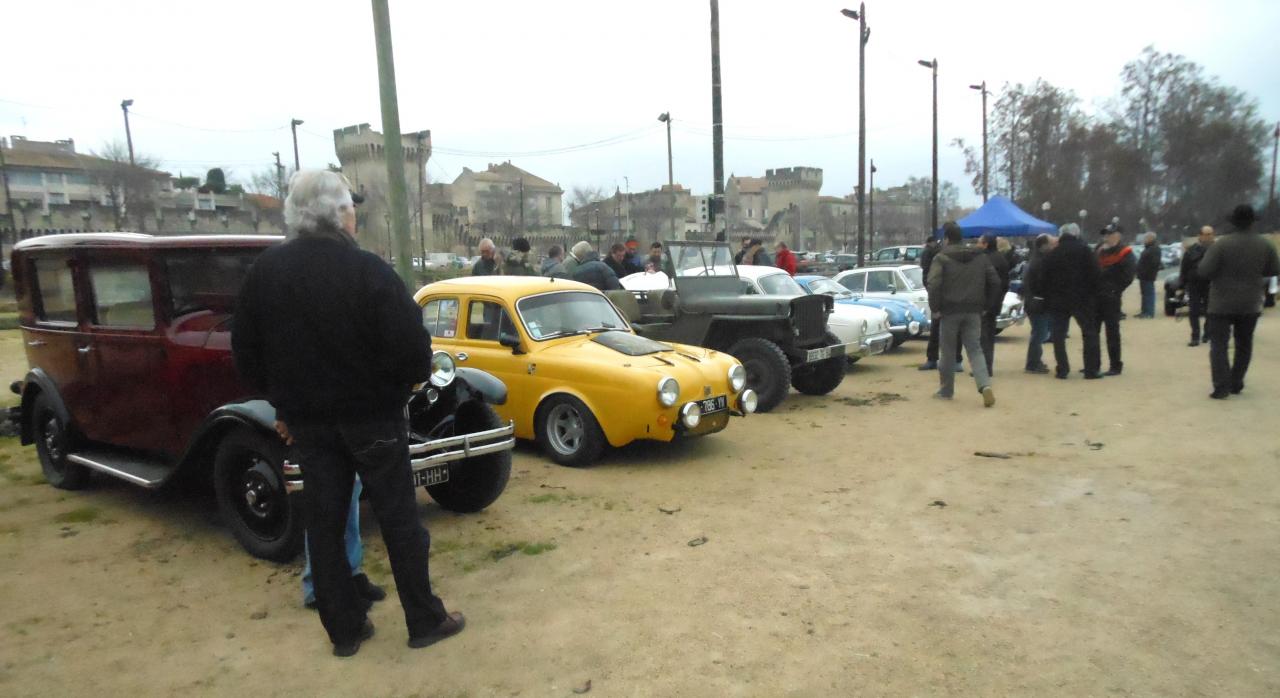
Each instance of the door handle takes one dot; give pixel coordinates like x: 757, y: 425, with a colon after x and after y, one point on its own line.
x: 84, y: 350
x: 463, y: 356
x: 36, y: 343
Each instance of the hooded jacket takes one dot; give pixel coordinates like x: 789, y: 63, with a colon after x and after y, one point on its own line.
x: 962, y: 280
x: 1117, y: 267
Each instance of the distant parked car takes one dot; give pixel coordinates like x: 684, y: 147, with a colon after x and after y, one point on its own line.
x: 902, y: 254
x: 905, y: 319
x: 437, y: 261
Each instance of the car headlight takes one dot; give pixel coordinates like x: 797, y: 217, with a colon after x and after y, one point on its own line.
x: 442, y: 369
x: 913, y: 327
x: 737, y: 377
x: 691, y: 414
x: 668, y: 391
x: 864, y: 327
x: 748, y: 401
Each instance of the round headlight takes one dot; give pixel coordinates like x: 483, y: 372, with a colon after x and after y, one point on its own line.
x: 691, y: 415
x: 748, y: 400
x: 864, y: 327
x: 668, y: 391
x: 737, y: 377
x: 913, y: 327
x: 442, y: 369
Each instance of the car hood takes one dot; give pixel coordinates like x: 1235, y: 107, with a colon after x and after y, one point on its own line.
x: 775, y: 306
x: 619, y: 352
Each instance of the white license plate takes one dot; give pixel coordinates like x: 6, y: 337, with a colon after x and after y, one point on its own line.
x: 433, y: 475
x: 713, y: 404
x: 818, y: 355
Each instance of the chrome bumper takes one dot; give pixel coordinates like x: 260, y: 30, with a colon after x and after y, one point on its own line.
x: 1004, y: 321
x: 824, y: 353
x: 427, y: 454
x: 875, y: 344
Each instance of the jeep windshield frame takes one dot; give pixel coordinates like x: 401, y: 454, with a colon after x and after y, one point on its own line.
x: 701, y: 259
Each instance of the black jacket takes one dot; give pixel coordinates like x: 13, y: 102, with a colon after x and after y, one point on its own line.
x: 328, y: 333
x: 1000, y: 263
x: 1149, y: 263
x: 486, y: 267
x: 1068, y: 276
x: 621, y: 269
x: 598, y: 274
x: 926, y: 259
x: 1187, y: 272
x: 1117, y: 266
x: 962, y: 280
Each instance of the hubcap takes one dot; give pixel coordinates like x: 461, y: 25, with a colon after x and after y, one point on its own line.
x: 261, y: 497
x: 52, y: 437
x: 565, y: 429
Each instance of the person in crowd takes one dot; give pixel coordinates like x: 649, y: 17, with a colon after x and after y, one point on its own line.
x: 555, y: 255
x: 365, y: 589
x: 655, y: 255
x: 1148, y: 270
x: 1236, y: 267
x: 742, y: 252
x: 1070, y: 286
x: 931, y: 248
x: 1196, y: 288
x: 1117, y: 267
x: 784, y: 258
x: 487, y: 265
x: 632, y: 263
x: 962, y: 283
x: 617, y: 260
x: 330, y: 335
x: 518, y: 263
x: 1034, y: 302
x: 582, y: 265
x: 988, y: 243
x: 579, y: 253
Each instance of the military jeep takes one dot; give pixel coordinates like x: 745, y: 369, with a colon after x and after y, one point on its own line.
x: 780, y: 340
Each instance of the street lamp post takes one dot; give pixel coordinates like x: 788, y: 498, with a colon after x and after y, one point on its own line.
x: 983, y: 88
x: 128, y: 135
x: 864, y: 33
x: 294, y: 124
x: 933, y: 64
x: 871, y: 208
x: 665, y: 117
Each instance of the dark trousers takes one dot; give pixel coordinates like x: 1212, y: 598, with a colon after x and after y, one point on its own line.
x: 1040, y: 323
x: 1088, y: 334
x: 1221, y: 328
x: 1109, y: 320
x: 1197, y: 307
x: 988, y: 340
x: 1148, y: 290
x: 330, y: 456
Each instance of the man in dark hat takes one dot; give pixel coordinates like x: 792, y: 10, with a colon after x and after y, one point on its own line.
x: 1236, y: 267
x: 1118, y: 265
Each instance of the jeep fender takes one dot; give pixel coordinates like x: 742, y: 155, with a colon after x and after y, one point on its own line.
x: 482, y: 386
x: 37, y: 382
x: 258, y: 415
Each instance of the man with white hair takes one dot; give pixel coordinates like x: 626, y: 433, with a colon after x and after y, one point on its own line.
x: 487, y: 265
x: 1148, y: 270
x: 330, y: 335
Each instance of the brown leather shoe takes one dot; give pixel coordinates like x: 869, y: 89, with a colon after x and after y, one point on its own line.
x: 448, y: 628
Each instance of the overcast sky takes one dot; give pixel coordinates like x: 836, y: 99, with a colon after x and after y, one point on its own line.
x: 216, y: 84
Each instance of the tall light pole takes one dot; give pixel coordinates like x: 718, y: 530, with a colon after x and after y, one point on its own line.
x: 717, y: 119
x: 391, y: 144
x: 933, y: 217
x: 871, y: 208
x: 983, y: 88
x: 864, y: 33
x: 665, y: 117
x: 294, y: 124
x: 128, y: 135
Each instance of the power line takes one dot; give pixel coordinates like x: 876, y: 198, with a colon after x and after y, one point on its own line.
x: 208, y: 130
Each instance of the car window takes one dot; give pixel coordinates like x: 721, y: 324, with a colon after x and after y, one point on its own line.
x: 568, y: 312
x: 887, y: 254
x: 486, y: 320
x: 440, y: 317
x: 854, y: 282
x: 122, y: 295
x: 55, y: 291
x: 879, y: 281
x: 780, y: 285
x: 206, y: 279
x: 829, y: 287
x: 915, y: 277
x: 913, y: 253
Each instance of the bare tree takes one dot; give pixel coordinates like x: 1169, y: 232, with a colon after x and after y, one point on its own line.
x: 130, y: 187
x: 268, y: 181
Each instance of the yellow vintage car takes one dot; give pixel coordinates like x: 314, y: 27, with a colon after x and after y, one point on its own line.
x: 577, y: 376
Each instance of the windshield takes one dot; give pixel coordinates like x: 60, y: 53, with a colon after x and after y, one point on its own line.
x: 915, y: 277
x: 829, y: 287
x: 567, y: 312
x: 780, y: 285
x: 207, y: 279
x: 701, y: 260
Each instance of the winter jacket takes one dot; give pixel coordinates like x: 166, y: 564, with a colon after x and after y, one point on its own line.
x: 486, y: 267
x: 1191, y: 280
x: 548, y: 264
x: 518, y: 264
x: 1000, y: 263
x: 1237, y: 267
x: 620, y: 269
x: 1149, y: 263
x: 598, y: 274
x: 1118, y: 266
x: 962, y: 280
x: 1068, y: 276
x: 786, y: 261
x: 926, y: 259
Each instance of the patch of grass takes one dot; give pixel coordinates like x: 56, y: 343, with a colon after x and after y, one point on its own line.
x: 871, y: 399
x: 509, y: 549
x: 445, y: 547
x: 538, y: 548
x: 81, y: 515
x: 554, y: 498
x: 8, y: 321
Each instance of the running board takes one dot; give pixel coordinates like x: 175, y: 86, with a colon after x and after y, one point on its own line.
x: 132, y: 468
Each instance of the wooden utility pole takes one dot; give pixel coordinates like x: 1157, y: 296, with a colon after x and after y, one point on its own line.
x: 1275, y: 149
x: 279, y: 175
x: 128, y: 134
x: 983, y: 88
x: 717, y: 121
x: 392, y: 147
x: 293, y: 125
x: 871, y: 208
x: 864, y: 33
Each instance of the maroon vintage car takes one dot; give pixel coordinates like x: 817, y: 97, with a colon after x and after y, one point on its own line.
x: 129, y: 345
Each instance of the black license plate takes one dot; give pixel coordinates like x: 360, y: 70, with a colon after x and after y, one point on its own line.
x: 713, y: 404
x: 433, y: 475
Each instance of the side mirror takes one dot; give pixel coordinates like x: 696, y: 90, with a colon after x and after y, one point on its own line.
x: 893, y: 288
x: 509, y: 339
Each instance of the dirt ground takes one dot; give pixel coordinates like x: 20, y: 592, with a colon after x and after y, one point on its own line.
x: 855, y: 545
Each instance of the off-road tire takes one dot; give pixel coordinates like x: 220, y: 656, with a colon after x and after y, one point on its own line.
x: 567, y: 431
x: 822, y: 377
x: 476, y: 482
x: 768, y: 370
x: 271, y: 526
x: 54, y: 440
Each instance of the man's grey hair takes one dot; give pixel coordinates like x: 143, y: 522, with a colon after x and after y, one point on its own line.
x: 1148, y: 238
x: 317, y: 202
x: 486, y: 242
x: 1070, y: 229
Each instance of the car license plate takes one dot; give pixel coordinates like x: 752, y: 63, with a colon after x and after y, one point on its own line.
x: 713, y: 404
x: 433, y: 475
x: 818, y: 354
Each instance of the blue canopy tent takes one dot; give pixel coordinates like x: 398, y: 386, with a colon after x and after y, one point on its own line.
x: 1002, y: 217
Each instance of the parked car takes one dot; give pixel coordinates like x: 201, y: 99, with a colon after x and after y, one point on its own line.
x: 442, y: 260
x: 906, y: 321
x: 902, y: 254
x: 580, y: 377
x: 129, y: 345
x: 864, y: 330
x: 907, y: 282
x: 782, y: 341
x: 1175, y: 296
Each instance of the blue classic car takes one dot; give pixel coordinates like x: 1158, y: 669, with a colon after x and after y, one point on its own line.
x: 905, y: 319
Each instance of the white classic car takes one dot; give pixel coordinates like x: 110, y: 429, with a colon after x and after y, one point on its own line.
x: 906, y: 282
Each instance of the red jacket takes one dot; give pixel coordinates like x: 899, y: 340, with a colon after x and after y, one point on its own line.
x: 786, y: 261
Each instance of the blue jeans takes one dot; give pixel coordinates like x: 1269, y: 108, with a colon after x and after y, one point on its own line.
x: 355, y: 548
x: 1148, y: 289
x: 1040, y: 323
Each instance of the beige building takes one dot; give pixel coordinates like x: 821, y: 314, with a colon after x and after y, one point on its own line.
x: 648, y: 215
x: 782, y: 205
x: 504, y: 199
x: 360, y: 151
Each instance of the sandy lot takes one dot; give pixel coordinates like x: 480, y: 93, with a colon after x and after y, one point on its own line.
x: 1129, y: 546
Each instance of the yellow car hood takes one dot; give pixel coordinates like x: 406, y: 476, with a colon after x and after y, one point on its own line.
x: 627, y: 352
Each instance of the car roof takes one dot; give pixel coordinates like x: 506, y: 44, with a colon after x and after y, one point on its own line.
x: 756, y: 271
x: 510, y: 287
x: 82, y: 240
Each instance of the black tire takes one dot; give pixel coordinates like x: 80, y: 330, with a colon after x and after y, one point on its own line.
x: 822, y: 377
x: 54, y: 440
x: 477, y: 482
x: 248, y: 481
x: 898, y: 340
x: 1170, y: 309
x: 996, y: 332
x: 768, y: 371
x: 567, y: 431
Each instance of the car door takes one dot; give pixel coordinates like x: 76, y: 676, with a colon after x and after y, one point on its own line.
x: 483, y: 319
x: 55, y: 337
x: 881, y: 283
x: 127, y: 368
x: 855, y: 282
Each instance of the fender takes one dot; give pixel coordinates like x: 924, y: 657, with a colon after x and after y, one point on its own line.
x: 37, y: 381
x: 258, y: 415
x: 482, y: 385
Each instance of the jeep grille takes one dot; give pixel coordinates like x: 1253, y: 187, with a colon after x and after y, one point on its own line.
x: 809, y: 316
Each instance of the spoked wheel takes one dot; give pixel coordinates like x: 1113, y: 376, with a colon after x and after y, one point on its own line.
x: 568, y: 432
x: 249, y: 483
